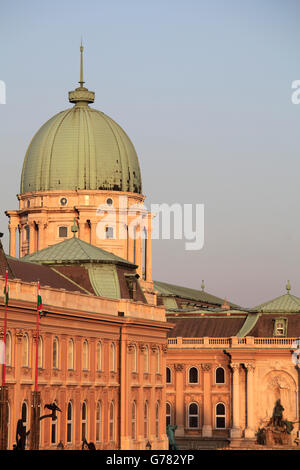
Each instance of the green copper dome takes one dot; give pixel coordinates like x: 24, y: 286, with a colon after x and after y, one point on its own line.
x: 81, y: 148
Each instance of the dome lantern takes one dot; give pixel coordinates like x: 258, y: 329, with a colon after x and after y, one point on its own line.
x: 81, y: 95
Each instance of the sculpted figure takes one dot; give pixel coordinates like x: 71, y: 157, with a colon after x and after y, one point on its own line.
x: 170, y: 434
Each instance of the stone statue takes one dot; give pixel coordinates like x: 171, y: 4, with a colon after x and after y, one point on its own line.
x: 170, y: 434
x: 277, y: 414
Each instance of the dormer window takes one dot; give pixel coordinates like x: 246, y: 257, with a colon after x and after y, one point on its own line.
x: 280, y: 327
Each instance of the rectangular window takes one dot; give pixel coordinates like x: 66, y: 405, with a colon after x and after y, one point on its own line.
x: 63, y: 232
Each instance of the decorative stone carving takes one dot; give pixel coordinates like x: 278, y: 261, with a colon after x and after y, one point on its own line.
x: 178, y: 367
x: 235, y: 366
x: 154, y: 347
x: 250, y: 366
x: 131, y: 347
x: 142, y: 347
x: 19, y: 334
x: 206, y: 367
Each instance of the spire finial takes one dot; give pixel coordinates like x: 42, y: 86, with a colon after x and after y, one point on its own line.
x: 288, y: 287
x: 81, y: 82
x: 74, y: 228
x: 202, y: 285
x: 81, y: 96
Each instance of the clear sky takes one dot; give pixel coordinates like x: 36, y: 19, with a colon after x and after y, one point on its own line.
x: 203, y: 89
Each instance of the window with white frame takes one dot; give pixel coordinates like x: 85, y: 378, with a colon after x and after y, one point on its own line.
x: 133, y: 421
x: 193, y: 375
x: 112, y: 422
x: 55, y: 352
x: 168, y: 414
x: 25, y: 350
x: 112, y: 357
x: 99, y: 422
x: 85, y: 355
x: 84, y: 417
x: 99, y: 356
x: 70, y: 423
x: 193, y: 415
x: 146, y: 420
x: 146, y: 360
x: 220, y: 416
x: 71, y: 354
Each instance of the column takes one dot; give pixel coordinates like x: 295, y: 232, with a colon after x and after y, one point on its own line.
x: 249, y: 431
x: 149, y: 250
x: 12, y: 240
x: 235, y: 431
x: 207, y: 428
x: 179, y: 402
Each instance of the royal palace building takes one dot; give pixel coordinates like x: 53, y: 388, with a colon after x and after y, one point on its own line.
x: 120, y: 354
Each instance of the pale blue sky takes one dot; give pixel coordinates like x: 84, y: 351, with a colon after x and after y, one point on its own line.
x: 203, y: 89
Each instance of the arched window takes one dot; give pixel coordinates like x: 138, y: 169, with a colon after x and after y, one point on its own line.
x: 193, y: 415
x: 133, y: 421
x: 99, y: 356
x: 168, y: 375
x: 112, y: 357
x: 84, y: 421
x: 85, y: 355
x: 25, y: 419
x: 193, y: 375
x: 220, y: 416
x: 157, y: 419
x: 55, y: 352
x: 99, y: 422
x: 71, y: 354
x: 146, y: 420
x: 25, y: 350
x: 146, y: 360
x: 220, y: 375
x: 112, y: 422
x: 70, y: 423
x: 54, y: 430
x: 158, y: 360
x: 134, y: 359
x: 40, y: 353
x: 8, y: 349
x: 168, y: 414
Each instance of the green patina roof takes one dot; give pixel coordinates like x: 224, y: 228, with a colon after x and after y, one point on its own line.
x: 75, y: 250
x: 286, y: 303
x: 250, y: 322
x: 81, y: 148
x: 164, y: 288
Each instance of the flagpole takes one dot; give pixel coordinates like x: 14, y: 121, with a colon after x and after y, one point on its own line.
x: 5, y: 322
x: 37, y: 341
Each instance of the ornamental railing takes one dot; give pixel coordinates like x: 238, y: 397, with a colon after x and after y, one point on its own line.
x: 233, y: 342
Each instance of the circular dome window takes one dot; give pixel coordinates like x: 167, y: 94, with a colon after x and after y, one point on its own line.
x: 109, y: 201
x: 63, y: 201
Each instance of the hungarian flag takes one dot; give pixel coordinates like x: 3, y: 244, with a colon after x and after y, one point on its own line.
x: 5, y: 291
x: 6, y: 294
x: 40, y: 303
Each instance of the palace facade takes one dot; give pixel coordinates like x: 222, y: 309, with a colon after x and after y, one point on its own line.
x: 123, y: 355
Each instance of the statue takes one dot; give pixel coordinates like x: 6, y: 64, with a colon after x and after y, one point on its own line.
x: 170, y: 434
x: 21, y: 435
x: 277, y: 414
x: 277, y: 431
